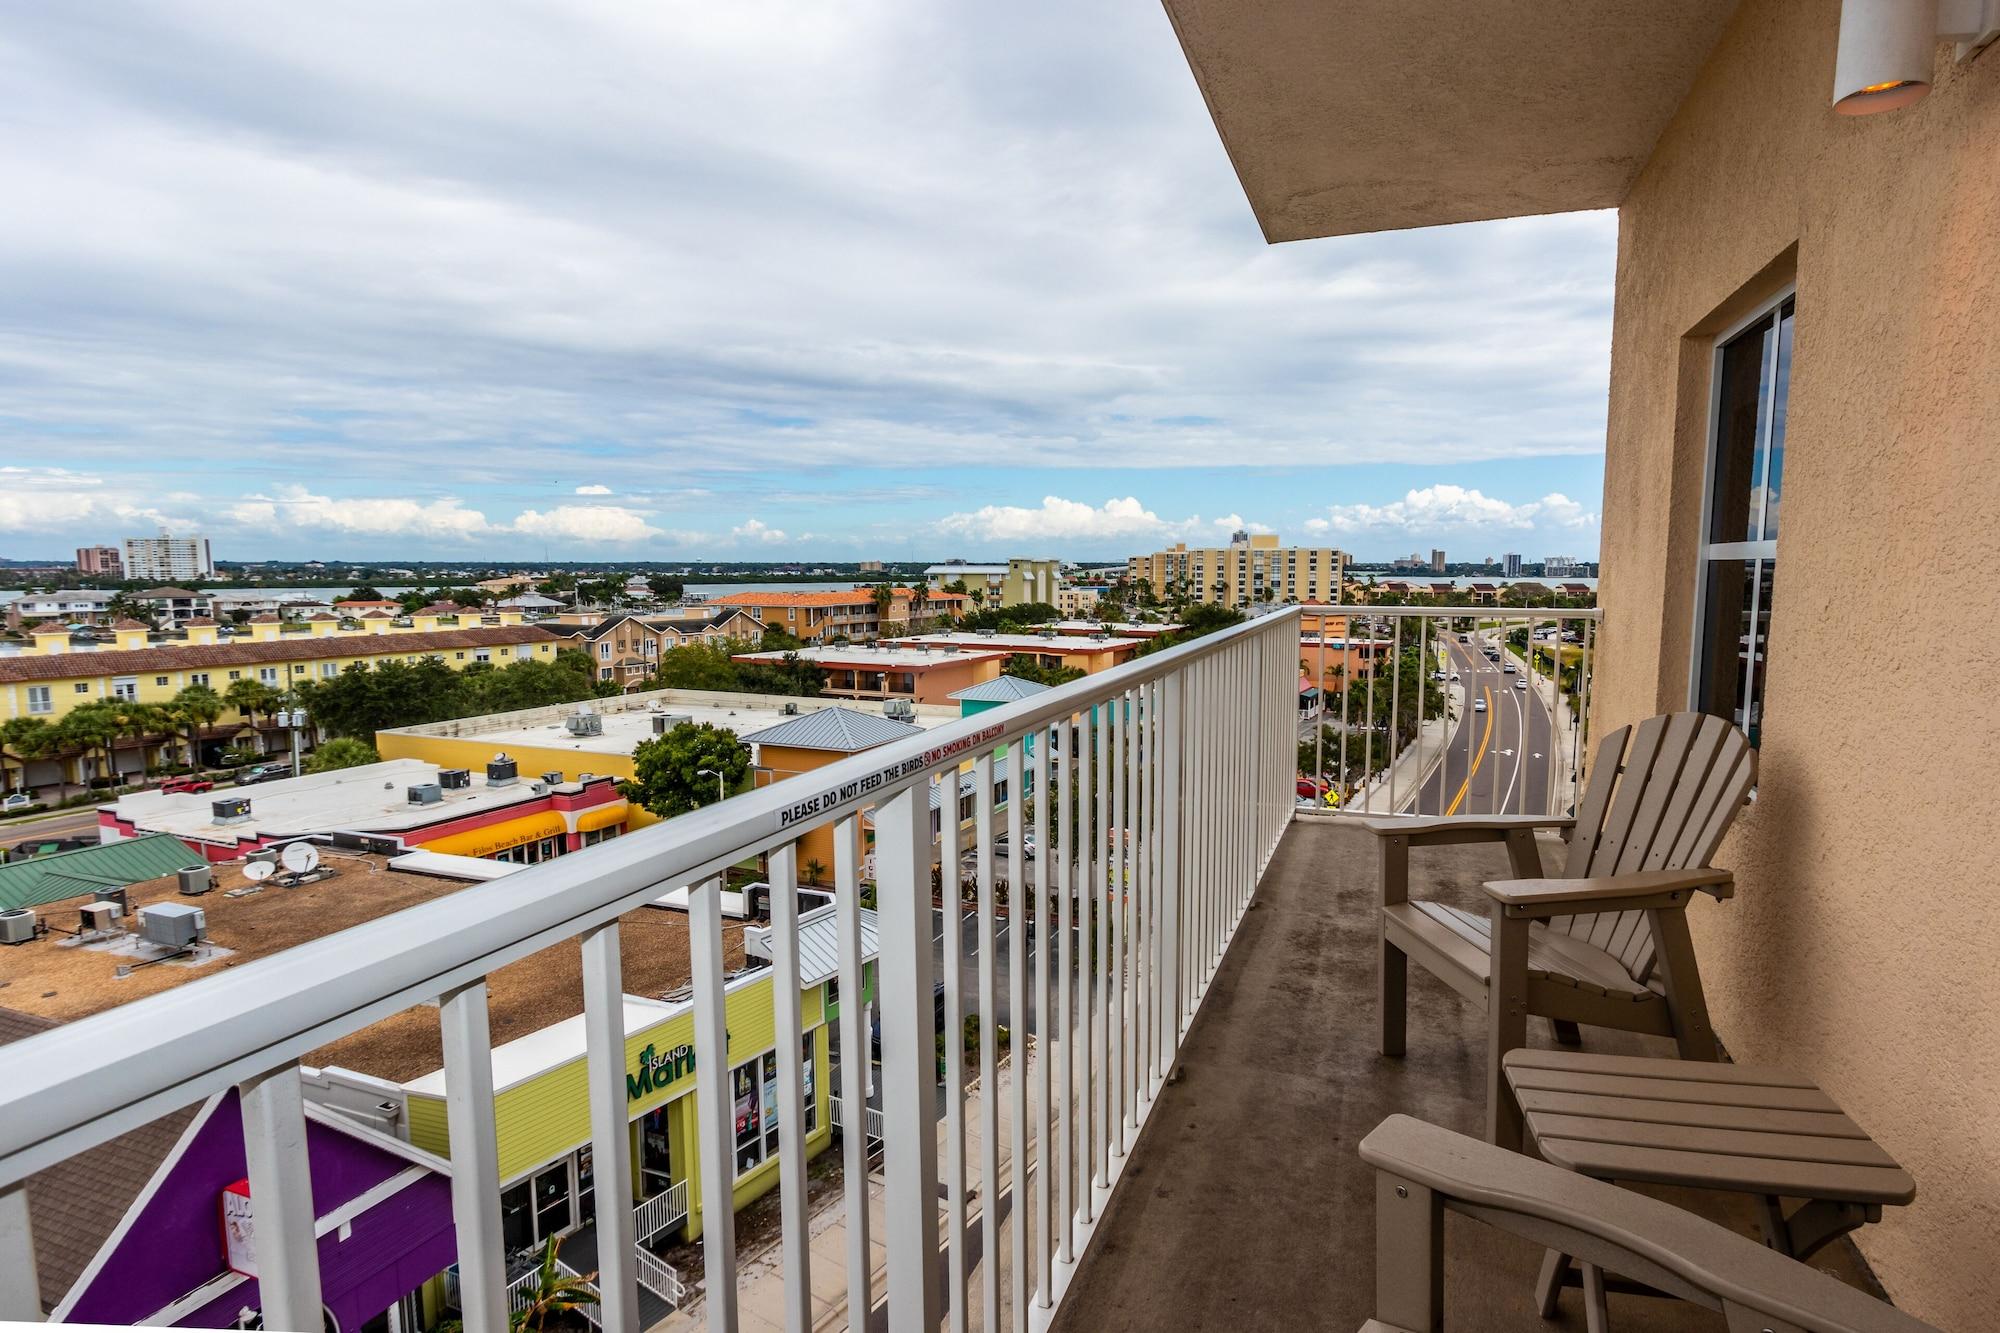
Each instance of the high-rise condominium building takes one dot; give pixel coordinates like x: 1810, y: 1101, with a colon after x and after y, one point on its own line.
x: 1252, y: 568
x: 103, y: 560
x: 168, y: 559
x: 1437, y: 561
x: 1511, y: 563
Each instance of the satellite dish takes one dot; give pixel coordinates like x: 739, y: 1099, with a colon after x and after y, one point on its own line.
x: 256, y: 870
x: 299, y: 857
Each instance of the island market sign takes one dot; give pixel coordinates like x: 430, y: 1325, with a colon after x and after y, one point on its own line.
x: 658, y: 1069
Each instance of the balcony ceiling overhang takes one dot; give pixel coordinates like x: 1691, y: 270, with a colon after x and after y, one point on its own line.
x: 1346, y: 116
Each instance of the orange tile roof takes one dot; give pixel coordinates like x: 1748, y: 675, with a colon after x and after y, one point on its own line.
x: 844, y: 597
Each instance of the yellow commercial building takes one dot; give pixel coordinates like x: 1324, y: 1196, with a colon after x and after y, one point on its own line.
x: 1252, y: 568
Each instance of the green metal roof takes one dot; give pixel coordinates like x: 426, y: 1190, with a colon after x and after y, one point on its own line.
x: 60, y: 875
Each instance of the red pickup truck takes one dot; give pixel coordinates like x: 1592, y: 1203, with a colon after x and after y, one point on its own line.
x: 191, y: 786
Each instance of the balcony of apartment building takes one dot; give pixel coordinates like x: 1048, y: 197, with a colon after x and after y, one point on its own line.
x: 1170, y: 1136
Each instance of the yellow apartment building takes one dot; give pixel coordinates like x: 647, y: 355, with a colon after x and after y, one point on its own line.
x: 1252, y: 568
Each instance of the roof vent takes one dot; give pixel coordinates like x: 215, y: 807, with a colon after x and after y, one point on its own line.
x: 426, y: 793
x: 788, y: 710
x: 553, y: 777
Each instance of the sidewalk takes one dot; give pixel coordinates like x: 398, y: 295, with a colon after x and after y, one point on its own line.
x: 760, y: 1277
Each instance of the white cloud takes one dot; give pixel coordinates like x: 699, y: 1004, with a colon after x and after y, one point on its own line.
x: 295, y: 507
x: 593, y: 490
x: 586, y: 523
x: 1447, y: 511
x: 1059, y: 520
x: 755, y: 530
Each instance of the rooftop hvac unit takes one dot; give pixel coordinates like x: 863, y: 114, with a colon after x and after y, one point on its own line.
x: 426, y: 793
x: 660, y: 724
x: 17, y: 926
x: 584, y: 724
x: 552, y: 778
x: 98, y: 916
x: 454, y: 779
x: 899, y: 708
x: 195, y: 881
x: 172, y: 925
x: 502, y: 771
x: 230, y: 810
x: 788, y: 710
x: 985, y: 633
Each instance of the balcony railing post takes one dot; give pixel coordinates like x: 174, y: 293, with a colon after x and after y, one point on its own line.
x: 716, y: 1117
x: 1169, y: 1013
x: 854, y: 1063
x: 280, y: 1171
x: 909, y: 1059
x: 475, y: 1154
x: 791, y: 1087
x: 1020, y: 899
x: 952, y: 894
x: 20, y: 1289
x: 610, y: 1130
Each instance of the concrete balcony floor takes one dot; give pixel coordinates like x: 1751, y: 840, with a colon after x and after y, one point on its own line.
x: 1245, y: 1206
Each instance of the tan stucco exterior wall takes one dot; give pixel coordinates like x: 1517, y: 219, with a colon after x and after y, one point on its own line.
x: 1861, y: 948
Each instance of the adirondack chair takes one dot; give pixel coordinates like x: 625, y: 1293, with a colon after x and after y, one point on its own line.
x: 1423, y: 1171
x: 1604, y: 943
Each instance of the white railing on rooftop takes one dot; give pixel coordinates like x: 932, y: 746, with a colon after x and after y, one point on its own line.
x: 1429, y: 750
x: 1158, y: 791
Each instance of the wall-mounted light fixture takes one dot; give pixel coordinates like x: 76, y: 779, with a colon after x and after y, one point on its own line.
x: 1888, y: 48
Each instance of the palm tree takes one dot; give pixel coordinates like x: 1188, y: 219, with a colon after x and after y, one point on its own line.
x: 195, y: 707
x: 143, y: 721
x: 252, y: 696
x: 29, y: 739
x: 556, y: 1292
x: 93, y: 726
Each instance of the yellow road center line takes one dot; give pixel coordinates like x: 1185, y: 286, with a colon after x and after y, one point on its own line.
x: 1478, y: 758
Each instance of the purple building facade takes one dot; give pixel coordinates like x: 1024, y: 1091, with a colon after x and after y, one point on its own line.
x: 384, y: 1223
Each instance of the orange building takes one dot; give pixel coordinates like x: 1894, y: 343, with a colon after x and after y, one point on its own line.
x: 897, y: 671
x: 815, y: 617
x: 1089, y: 654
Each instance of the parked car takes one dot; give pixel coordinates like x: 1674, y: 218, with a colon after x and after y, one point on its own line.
x: 1310, y: 788
x: 185, y: 785
x: 1454, y: 675
x: 263, y: 773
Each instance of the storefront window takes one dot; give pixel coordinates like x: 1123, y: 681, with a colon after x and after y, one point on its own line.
x: 656, y: 1160
x: 552, y: 1204
x: 517, y: 1218
x: 749, y: 1115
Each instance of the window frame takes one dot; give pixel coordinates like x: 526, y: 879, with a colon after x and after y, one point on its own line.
x: 1708, y: 552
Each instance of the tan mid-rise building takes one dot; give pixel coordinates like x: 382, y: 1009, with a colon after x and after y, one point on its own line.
x: 1252, y: 568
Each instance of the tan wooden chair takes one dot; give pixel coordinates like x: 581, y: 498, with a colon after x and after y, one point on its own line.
x: 1604, y: 943
x: 1421, y: 1171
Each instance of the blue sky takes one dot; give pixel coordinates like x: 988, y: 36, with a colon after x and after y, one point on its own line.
x: 602, y: 281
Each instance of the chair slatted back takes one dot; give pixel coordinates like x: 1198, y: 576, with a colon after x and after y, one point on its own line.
x: 1661, y: 797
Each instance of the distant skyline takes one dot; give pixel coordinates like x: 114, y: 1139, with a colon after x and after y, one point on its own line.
x: 598, y: 283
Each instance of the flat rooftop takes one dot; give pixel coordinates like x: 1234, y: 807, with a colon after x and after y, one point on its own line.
x: 1022, y: 643
x: 902, y: 653
x: 374, y: 797
x: 629, y: 720
x: 1138, y: 629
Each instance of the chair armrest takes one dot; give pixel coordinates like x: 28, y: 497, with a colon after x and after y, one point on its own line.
x: 1438, y: 830
x: 1617, y: 1228
x: 1651, y: 888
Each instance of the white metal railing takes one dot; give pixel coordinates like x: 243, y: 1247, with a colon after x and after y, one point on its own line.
x: 654, y: 1215
x: 1159, y: 791
x: 660, y: 1277
x: 874, y: 1119
x: 1444, y: 710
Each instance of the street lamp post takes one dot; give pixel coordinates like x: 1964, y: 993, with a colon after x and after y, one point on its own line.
x: 721, y: 792
x: 292, y: 720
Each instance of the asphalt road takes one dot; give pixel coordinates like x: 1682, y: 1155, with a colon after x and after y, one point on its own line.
x: 62, y: 824
x: 1003, y: 956
x: 1496, y: 761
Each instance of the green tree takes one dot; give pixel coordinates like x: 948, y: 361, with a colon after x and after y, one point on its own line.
x: 251, y: 697
x: 365, y: 592
x: 140, y: 721
x: 341, y: 752
x: 1024, y: 666
x: 195, y: 707
x: 667, y: 777
x: 24, y: 740
x: 694, y: 666
x: 778, y: 639
x: 91, y: 727
x: 665, y: 587
x: 793, y: 675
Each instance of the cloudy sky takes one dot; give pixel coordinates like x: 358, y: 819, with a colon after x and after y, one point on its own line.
x: 604, y: 280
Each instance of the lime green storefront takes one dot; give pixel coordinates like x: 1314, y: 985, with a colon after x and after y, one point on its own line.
x: 542, y: 1112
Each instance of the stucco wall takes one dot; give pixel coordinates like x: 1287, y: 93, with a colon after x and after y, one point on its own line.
x: 1862, y: 946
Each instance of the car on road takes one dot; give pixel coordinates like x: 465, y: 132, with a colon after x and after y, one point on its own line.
x: 1454, y: 675
x: 1463, y: 638
x: 1521, y: 683
x: 187, y: 786
x: 1478, y: 705
x: 1509, y: 668
x: 263, y: 773
x: 1310, y: 788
